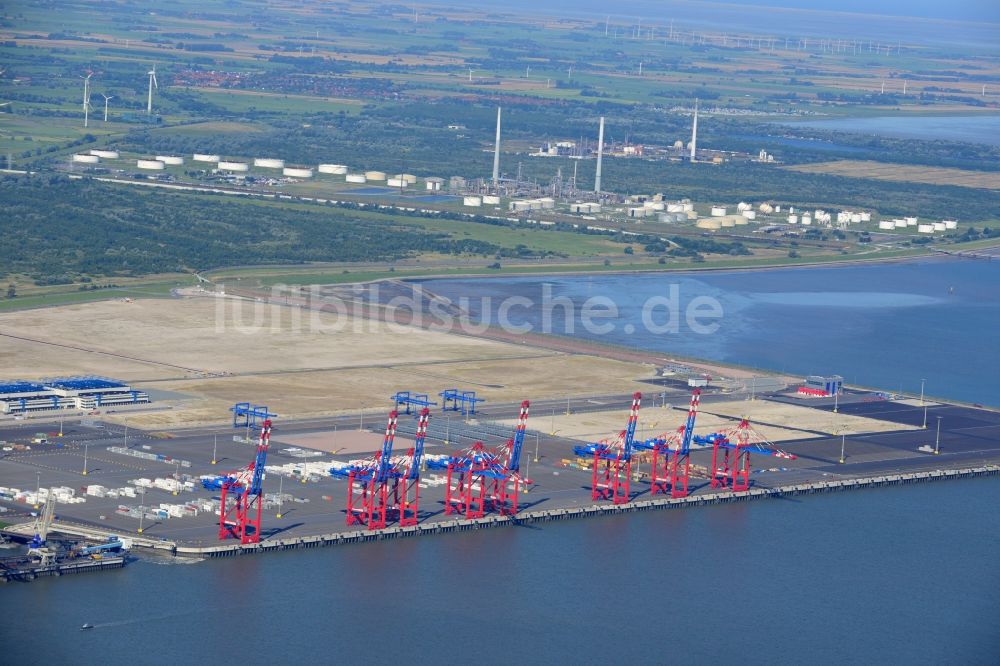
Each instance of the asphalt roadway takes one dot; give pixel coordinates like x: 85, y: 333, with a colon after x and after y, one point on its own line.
x: 969, y: 436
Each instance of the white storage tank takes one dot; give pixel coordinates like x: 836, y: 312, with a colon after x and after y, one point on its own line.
x: 86, y: 159
x: 887, y: 225
x: 675, y: 208
x: 688, y: 206
x: 951, y: 224
x: 491, y: 200
x: 654, y: 205
x: 709, y: 224
x: 356, y: 178
x: 334, y: 169
x: 866, y: 217
x: 595, y: 208
x: 294, y: 172
x: 855, y: 218
x: 793, y: 219
x: 750, y: 215
x: 171, y: 160
x: 268, y: 163
x: 234, y: 166
x: 925, y: 228
x: 806, y: 219
x: 728, y: 221
x: 396, y: 182
x: 472, y: 201
x: 742, y: 206
x: 911, y: 221
x: 939, y: 226
x: 155, y: 165
x: 547, y: 202
x: 409, y: 178
x: 899, y: 224
x: 106, y: 154
x: 765, y: 208
x: 637, y: 212
x: 374, y: 175
x: 434, y: 184
x: 202, y: 157
x: 718, y: 211
x: 519, y: 206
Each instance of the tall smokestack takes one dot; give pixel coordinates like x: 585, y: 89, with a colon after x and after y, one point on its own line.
x: 694, y: 132
x: 496, y: 154
x: 600, y: 153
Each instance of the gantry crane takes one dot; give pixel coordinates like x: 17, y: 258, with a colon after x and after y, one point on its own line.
x: 731, y: 455
x: 508, y: 485
x: 408, y: 485
x: 612, y: 460
x: 241, y: 500
x: 368, y: 496
x: 671, y: 464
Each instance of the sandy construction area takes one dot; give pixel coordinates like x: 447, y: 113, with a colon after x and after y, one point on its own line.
x: 219, y: 351
x: 776, y: 421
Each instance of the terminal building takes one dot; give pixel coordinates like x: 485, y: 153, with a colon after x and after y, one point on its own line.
x: 824, y: 387
x: 86, y: 393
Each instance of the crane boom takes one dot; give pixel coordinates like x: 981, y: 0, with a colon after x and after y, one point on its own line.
x: 692, y: 416
x: 418, y: 444
x: 633, y: 420
x: 257, y: 482
x: 517, y: 443
x: 385, y: 458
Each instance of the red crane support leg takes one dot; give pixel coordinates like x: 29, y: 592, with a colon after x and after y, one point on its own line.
x: 720, y: 466
x: 508, y: 495
x: 454, y: 497
x: 660, y: 472
x: 741, y: 471
x: 475, y: 497
x: 680, y: 469
x: 409, y: 502
x: 378, y: 501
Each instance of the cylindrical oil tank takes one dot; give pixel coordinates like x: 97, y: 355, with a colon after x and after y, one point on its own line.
x: 709, y: 224
x: 268, y: 163
x: 86, y: 159
x: 234, y: 166
x: 334, y: 169
x: 106, y: 154
x: 356, y: 178
x: 295, y: 172
x: 718, y: 211
x: 203, y: 157
x: 171, y: 160
x: 472, y: 201
x: 374, y: 175
x: 155, y: 165
x: 491, y: 200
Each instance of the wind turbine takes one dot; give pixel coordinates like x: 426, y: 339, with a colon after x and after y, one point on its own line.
x: 86, y: 98
x: 152, y: 83
x: 106, y: 98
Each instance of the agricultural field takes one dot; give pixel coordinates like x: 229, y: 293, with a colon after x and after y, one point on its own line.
x: 904, y: 173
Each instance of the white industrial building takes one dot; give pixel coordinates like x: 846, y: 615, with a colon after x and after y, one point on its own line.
x: 86, y: 393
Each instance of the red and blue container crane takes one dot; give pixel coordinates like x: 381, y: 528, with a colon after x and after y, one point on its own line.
x: 408, y: 488
x: 671, y: 465
x: 368, y: 495
x: 242, y: 494
x: 731, y: 455
x: 612, y: 460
